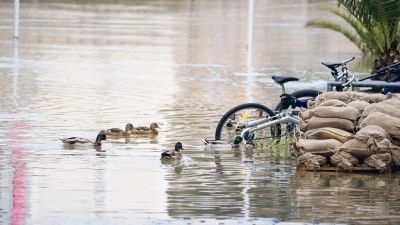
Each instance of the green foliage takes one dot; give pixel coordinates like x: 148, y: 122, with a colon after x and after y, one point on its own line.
x: 374, y: 24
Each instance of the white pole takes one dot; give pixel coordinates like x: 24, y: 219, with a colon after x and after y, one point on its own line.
x: 250, y: 34
x: 16, y: 18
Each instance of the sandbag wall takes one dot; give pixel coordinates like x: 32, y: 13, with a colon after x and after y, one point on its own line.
x: 349, y: 129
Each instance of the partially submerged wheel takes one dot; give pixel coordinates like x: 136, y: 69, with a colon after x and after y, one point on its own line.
x: 236, y: 120
x: 285, y: 129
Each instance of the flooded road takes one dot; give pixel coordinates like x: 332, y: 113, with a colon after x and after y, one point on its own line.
x: 83, y: 67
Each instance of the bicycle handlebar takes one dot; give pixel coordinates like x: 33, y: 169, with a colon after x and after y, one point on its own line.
x: 384, y: 71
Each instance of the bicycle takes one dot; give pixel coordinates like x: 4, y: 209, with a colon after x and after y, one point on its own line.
x: 250, y: 120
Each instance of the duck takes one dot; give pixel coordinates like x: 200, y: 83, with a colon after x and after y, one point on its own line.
x: 146, y: 130
x: 118, y: 131
x: 176, y: 154
x: 224, y: 144
x: 73, y: 140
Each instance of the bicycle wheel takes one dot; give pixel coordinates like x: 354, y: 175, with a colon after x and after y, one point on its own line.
x: 236, y: 119
x: 284, y: 129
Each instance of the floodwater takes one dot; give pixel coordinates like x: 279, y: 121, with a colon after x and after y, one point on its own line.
x: 84, y: 66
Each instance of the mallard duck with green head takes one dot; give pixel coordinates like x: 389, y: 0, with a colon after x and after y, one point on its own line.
x: 176, y: 154
x: 75, y: 140
x: 153, y: 129
x: 119, y: 132
x: 223, y: 144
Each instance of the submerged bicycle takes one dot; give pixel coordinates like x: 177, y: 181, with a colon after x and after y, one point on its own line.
x: 255, y: 122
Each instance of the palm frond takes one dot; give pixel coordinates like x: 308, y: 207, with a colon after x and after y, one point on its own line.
x: 327, y: 24
x: 369, y: 40
x: 383, y: 14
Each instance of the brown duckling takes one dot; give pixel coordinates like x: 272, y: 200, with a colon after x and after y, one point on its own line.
x: 74, y: 140
x: 119, y: 132
x: 146, y: 130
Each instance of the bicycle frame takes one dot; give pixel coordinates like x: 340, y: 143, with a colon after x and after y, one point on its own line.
x: 345, y: 78
x: 282, y: 114
x: 266, y: 122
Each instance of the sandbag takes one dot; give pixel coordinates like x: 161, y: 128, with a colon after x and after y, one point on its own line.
x: 392, y: 101
x: 395, y: 152
x: 359, y: 105
x: 379, y: 161
x: 329, y: 133
x: 374, y: 98
x: 312, y: 161
x: 344, y: 160
x: 306, y: 114
x: 338, y: 158
x: 298, y: 133
x: 319, y: 122
x: 348, y: 113
x: 332, y: 103
x: 362, y: 150
x: 345, y: 97
x: 391, y: 95
x: 389, y: 123
x: 319, y: 147
x: 311, y: 104
x: 370, y: 133
x: 391, y: 110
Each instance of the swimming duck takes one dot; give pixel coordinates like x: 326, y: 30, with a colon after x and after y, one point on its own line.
x: 146, y: 130
x: 73, y: 140
x: 176, y: 154
x: 223, y: 144
x: 119, y: 132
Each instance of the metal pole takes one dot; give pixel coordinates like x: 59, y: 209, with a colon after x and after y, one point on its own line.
x: 16, y: 18
x: 250, y: 34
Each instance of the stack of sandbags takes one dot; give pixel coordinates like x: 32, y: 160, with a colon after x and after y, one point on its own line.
x: 384, y: 115
x: 336, y: 116
x: 346, y: 97
x: 371, y: 145
x: 313, y: 153
x: 361, y: 128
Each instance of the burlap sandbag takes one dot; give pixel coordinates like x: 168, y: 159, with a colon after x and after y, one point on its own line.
x: 312, y: 161
x: 332, y: 103
x: 389, y: 123
x: 392, y: 101
x: 370, y: 133
x: 347, y: 113
x: 379, y: 161
x: 329, y: 133
x: 390, y: 95
x: 345, y: 97
x: 359, y: 105
x: 319, y: 147
x: 319, y: 122
x: 391, y: 110
x: 374, y: 98
x: 311, y: 104
x: 306, y: 114
x: 338, y: 158
x: 344, y: 160
x: 298, y: 133
x: 363, y: 150
x: 395, y: 152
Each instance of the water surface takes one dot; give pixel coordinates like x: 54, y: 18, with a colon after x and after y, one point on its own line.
x: 84, y: 66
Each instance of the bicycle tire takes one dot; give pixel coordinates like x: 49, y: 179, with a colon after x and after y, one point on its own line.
x: 300, y: 94
x: 223, y: 131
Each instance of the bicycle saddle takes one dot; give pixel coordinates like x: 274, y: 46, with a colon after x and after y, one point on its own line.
x: 282, y: 79
x: 331, y: 65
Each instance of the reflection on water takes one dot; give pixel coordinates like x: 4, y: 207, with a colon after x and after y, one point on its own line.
x: 82, y: 66
x: 345, y: 198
